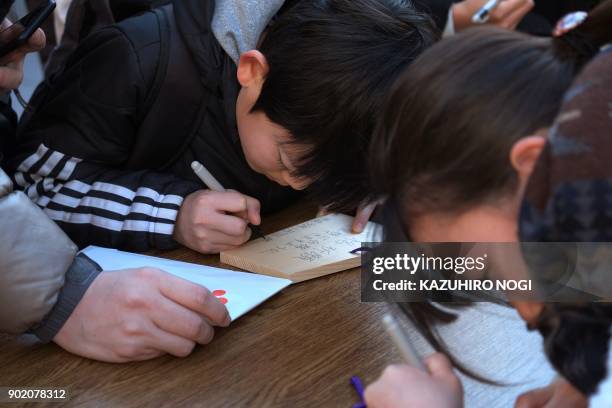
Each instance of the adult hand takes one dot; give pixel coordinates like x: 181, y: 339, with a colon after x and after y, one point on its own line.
x: 407, y: 386
x: 11, y: 65
x: 139, y: 314
x: 559, y: 394
x: 507, y: 14
x: 211, y: 222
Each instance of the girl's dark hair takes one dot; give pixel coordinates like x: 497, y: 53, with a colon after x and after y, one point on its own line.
x: 443, y: 142
x: 332, y: 63
x: 576, y: 336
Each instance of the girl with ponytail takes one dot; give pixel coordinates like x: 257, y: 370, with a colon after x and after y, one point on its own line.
x: 453, y: 156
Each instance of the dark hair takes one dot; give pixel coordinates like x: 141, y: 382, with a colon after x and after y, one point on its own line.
x: 445, y: 136
x: 444, y: 139
x: 332, y: 63
x: 576, y: 336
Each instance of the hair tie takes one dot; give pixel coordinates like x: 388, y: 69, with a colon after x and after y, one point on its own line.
x: 574, y: 43
x: 569, y: 22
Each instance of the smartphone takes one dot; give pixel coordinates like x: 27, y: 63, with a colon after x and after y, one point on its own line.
x: 5, y: 6
x: 20, y: 32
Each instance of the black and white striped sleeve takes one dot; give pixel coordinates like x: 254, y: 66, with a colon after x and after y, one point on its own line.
x: 69, y: 156
x: 102, y: 206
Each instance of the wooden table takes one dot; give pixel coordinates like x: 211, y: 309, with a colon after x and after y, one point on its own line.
x: 298, y: 349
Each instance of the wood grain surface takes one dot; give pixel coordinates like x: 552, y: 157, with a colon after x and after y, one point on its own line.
x: 298, y: 349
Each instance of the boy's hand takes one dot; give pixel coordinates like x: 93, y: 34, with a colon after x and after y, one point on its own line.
x: 211, y: 222
x: 559, y: 394
x: 11, y: 65
x: 507, y: 14
x: 139, y: 314
x: 407, y: 386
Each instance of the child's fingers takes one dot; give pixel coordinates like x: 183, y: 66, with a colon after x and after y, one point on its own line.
x: 229, y: 201
x: 253, y: 210
x: 222, y: 241
x: 439, y: 365
x: 375, y: 394
x: 362, y: 217
x: 228, y: 224
x: 235, y: 202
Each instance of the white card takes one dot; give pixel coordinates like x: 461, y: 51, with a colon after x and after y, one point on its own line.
x: 243, y: 291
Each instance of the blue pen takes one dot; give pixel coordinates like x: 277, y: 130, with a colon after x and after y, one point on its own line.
x: 482, y: 15
x: 358, y: 385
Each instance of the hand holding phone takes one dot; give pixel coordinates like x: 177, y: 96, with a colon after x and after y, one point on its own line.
x: 11, y: 65
x: 19, y: 33
x: 16, y: 41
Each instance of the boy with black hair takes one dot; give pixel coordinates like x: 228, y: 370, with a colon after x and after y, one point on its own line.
x: 109, y: 160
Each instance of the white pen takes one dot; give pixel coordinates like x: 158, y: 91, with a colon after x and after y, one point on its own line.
x: 207, y: 178
x: 212, y: 183
x: 482, y: 15
x: 402, y: 342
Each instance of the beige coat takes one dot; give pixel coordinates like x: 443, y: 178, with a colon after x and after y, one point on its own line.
x: 34, y: 257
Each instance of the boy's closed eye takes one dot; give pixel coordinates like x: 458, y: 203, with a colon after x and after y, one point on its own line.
x: 287, y: 154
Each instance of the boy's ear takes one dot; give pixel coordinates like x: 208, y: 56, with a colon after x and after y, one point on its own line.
x: 525, y: 153
x: 252, y: 68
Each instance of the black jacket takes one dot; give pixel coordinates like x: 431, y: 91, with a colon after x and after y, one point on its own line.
x: 114, y: 175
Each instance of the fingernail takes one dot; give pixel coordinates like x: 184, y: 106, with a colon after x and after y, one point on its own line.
x: 357, y: 228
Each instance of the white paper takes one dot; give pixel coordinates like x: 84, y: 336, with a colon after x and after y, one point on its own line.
x: 244, y: 291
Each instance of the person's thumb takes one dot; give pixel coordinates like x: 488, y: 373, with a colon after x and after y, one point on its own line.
x: 438, y: 365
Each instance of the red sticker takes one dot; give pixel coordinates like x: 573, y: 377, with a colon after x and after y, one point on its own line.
x: 219, y: 295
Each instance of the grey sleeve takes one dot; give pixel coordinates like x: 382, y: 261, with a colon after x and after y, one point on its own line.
x: 238, y: 24
x: 79, y: 277
x: 34, y: 257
